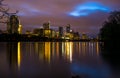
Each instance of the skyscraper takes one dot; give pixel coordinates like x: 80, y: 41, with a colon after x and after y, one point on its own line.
x: 68, y: 28
x: 46, y: 25
x: 20, y: 28
x: 60, y: 31
x: 13, y: 24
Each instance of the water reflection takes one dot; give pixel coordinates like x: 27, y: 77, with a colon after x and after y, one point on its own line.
x: 14, y: 54
x: 56, y: 59
x: 50, y: 50
x: 110, y: 54
x: 68, y: 50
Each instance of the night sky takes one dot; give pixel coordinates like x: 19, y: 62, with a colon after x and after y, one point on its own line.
x: 85, y: 16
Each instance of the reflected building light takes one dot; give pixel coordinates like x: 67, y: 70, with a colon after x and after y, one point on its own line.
x: 83, y: 48
x: 53, y: 48
x: 57, y: 48
x: 47, y: 51
x: 36, y: 47
x: 30, y: 48
x: 19, y: 55
x: 92, y: 48
x: 63, y: 47
x: 69, y: 50
x: 89, y: 46
x: 79, y: 47
x: 97, y: 48
x: 41, y: 50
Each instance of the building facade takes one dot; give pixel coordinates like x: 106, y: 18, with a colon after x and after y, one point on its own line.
x: 46, y: 25
x: 61, y: 32
x: 68, y: 28
x: 13, y: 24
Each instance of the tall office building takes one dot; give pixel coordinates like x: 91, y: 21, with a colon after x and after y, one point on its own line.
x: 60, y: 31
x: 13, y: 24
x: 84, y: 36
x: 20, y: 28
x: 46, y: 25
x: 68, y: 28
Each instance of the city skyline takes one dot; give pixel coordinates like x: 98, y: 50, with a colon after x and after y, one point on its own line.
x: 84, y: 16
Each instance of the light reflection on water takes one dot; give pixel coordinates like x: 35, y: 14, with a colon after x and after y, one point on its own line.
x: 52, y: 60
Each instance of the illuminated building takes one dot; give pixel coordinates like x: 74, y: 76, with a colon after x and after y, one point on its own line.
x: 69, y: 36
x: 76, y: 36
x: 69, y: 33
x: 49, y: 33
x: 28, y: 32
x: 60, y: 32
x: 84, y: 36
x: 39, y: 32
x: 13, y: 25
x: 57, y: 34
x: 20, y: 28
x: 68, y: 28
x: 45, y: 31
x: 53, y: 34
x: 46, y: 25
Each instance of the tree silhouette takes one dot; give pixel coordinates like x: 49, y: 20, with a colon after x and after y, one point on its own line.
x: 111, y: 28
x: 4, y: 12
x: 110, y: 33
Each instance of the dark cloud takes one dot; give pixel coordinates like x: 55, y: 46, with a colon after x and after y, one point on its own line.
x: 33, y: 13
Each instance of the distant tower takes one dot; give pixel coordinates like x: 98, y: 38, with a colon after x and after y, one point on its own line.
x: 84, y: 36
x: 13, y: 24
x: 68, y: 28
x: 60, y: 31
x: 46, y: 25
x: 20, y: 28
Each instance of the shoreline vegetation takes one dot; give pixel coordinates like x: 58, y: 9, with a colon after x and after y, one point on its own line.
x: 27, y: 38
x: 110, y: 33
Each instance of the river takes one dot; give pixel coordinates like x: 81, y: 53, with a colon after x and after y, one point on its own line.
x: 54, y: 60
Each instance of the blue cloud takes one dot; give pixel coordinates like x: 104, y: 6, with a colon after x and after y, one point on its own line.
x: 88, y: 8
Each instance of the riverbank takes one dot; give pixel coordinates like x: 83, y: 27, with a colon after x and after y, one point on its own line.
x: 27, y: 38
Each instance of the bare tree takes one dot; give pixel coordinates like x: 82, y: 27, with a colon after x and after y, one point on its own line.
x: 4, y: 12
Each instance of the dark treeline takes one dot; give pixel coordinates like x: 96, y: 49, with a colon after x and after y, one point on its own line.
x: 110, y: 32
x: 110, y: 35
x: 111, y: 27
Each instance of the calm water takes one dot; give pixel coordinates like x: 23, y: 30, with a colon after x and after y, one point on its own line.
x: 54, y: 60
